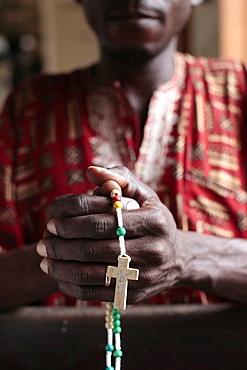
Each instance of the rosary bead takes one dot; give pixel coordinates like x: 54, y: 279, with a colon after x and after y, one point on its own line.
x: 116, y: 323
x: 115, y: 192
x: 108, y: 312
x: 108, y: 319
x: 108, y: 325
x: 113, y: 316
x: 118, y: 204
x: 117, y: 330
x: 116, y: 316
x: 121, y: 231
x: 118, y: 353
x: 116, y: 198
x: 108, y: 305
x: 109, y: 347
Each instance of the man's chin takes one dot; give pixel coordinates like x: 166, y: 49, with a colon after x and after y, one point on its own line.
x: 133, y: 54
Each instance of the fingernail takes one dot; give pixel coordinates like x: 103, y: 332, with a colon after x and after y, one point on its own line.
x: 100, y: 169
x: 132, y: 204
x: 44, y: 266
x: 51, y: 227
x: 41, y: 249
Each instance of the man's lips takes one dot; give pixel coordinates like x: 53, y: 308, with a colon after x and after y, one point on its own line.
x: 127, y: 15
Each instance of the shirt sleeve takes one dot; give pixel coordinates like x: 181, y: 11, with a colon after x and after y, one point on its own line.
x: 10, y: 230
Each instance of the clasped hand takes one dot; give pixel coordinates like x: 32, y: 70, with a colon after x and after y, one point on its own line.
x: 80, y: 240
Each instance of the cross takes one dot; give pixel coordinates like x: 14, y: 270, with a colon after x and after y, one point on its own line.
x: 122, y: 273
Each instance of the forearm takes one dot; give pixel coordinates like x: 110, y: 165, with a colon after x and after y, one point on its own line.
x: 21, y: 280
x: 216, y: 265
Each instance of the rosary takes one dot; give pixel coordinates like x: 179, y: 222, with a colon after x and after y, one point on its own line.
x: 122, y: 273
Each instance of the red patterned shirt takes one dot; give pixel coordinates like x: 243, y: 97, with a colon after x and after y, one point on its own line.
x: 193, y: 152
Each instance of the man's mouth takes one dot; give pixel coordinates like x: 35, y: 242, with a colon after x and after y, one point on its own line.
x: 133, y: 15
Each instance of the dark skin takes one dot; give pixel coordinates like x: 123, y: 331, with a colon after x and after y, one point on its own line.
x: 137, y: 39
x: 139, y: 53
x: 21, y: 280
x: 136, y: 46
x: 84, y: 243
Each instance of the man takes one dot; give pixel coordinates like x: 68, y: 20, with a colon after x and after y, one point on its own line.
x: 177, y: 122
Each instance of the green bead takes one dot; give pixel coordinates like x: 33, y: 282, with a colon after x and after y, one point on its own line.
x: 117, y: 330
x: 109, y: 347
x: 121, y: 231
x: 118, y: 353
x: 109, y: 368
x: 116, y: 323
x: 116, y: 316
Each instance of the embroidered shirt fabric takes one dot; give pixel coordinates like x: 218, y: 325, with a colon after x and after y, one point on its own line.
x: 193, y: 152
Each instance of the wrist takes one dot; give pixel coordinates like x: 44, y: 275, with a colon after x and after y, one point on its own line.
x: 192, y: 268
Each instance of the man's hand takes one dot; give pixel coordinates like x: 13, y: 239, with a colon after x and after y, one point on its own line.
x: 81, y: 241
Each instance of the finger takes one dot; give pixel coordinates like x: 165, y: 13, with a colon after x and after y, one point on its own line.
x: 74, y: 272
x: 87, y: 274
x: 143, y: 252
x: 89, y: 251
x: 137, y: 223
x: 107, y: 187
x: 106, y: 294
x: 78, y: 205
x: 130, y: 185
x: 88, y: 293
x: 81, y: 204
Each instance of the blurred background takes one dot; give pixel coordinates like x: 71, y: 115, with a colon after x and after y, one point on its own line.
x: 53, y: 36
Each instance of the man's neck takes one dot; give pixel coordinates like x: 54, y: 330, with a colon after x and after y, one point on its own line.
x: 136, y: 75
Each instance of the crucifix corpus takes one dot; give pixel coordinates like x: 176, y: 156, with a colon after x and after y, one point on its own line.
x: 122, y: 273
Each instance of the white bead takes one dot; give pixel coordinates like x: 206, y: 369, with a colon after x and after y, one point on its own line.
x: 122, y: 245
x: 118, y: 363
x: 115, y: 192
x: 119, y: 217
x: 108, y: 359
x: 117, y: 341
x: 109, y: 336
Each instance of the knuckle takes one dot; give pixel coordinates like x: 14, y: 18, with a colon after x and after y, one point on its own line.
x: 81, y: 276
x: 89, y: 293
x: 100, y: 226
x: 52, y: 269
x: 52, y: 249
x: 83, y: 204
x: 85, y: 253
x: 160, y: 225
x: 62, y: 226
x: 126, y: 172
x: 123, y: 170
x: 159, y: 256
x: 154, y: 253
x: 146, y: 277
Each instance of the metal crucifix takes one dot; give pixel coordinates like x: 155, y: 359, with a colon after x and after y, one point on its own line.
x: 122, y: 273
